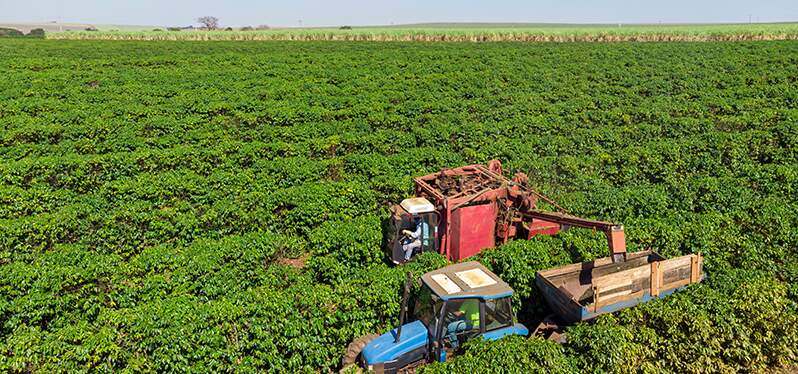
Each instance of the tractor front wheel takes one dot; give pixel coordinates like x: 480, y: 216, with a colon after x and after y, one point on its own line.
x: 354, y: 350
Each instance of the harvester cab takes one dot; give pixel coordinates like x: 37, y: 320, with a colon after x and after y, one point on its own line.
x: 456, y: 303
x: 413, y: 228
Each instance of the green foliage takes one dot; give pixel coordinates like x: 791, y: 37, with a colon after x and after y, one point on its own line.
x: 518, y: 261
x: 513, y: 354
x: 339, y: 246
x: 217, y: 207
x: 605, y: 346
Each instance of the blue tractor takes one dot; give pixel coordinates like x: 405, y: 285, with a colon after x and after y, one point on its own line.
x: 467, y: 301
x: 456, y: 303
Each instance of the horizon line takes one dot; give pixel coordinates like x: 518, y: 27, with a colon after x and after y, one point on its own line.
x: 416, y: 24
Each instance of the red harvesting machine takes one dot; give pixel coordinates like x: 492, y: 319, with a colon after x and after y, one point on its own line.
x: 461, y: 211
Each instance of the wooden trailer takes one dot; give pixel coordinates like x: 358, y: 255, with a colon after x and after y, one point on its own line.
x: 583, y: 291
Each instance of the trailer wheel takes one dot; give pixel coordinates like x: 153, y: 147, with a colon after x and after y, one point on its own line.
x: 353, y: 351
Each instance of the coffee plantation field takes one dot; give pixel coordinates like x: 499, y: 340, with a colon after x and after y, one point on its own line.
x: 215, y: 207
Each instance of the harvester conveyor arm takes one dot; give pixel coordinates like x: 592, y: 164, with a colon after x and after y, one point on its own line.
x: 567, y: 219
x: 615, y: 235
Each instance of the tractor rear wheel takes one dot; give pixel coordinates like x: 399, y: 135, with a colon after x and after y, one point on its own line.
x: 354, y: 350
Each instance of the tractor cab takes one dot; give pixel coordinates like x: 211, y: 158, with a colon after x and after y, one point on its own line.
x: 457, y: 303
x: 411, y: 215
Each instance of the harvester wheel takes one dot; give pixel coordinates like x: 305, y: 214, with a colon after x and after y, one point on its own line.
x: 354, y: 349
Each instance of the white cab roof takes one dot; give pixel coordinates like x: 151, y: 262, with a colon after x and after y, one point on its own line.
x: 465, y: 280
x: 417, y: 205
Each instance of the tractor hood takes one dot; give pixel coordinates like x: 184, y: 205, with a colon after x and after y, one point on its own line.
x: 384, y: 348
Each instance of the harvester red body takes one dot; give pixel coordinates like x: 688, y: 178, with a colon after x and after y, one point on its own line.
x: 476, y: 207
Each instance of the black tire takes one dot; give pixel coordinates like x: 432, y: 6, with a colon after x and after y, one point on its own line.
x: 354, y: 349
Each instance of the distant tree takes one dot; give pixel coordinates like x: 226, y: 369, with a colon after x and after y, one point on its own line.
x: 10, y: 32
x: 228, y: 29
x: 91, y: 28
x: 173, y: 28
x: 209, y: 22
x: 247, y: 28
x: 36, y: 33
x: 157, y: 30
x: 262, y: 27
x: 345, y: 28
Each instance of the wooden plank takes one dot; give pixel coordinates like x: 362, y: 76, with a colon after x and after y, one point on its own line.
x: 633, y: 255
x: 676, y: 262
x: 588, y: 265
x: 602, y: 261
x: 595, y: 299
x: 617, y: 291
x: 641, y: 284
x: 655, y: 278
x: 562, y: 305
x: 617, y: 299
x: 565, y: 292
x: 572, y: 268
x: 694, y: 269
x: 677, y: 284
x: 685, y: 268
x: 675, y: 275
x: 624, y: 277
x: 616, y: 288
x: 570, y: 302
x: 614, y: 268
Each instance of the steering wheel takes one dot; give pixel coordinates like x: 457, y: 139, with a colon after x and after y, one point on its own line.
x: 452, y: 316
x: 404, y: 238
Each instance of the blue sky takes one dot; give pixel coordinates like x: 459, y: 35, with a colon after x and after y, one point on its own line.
x: 373, y: 12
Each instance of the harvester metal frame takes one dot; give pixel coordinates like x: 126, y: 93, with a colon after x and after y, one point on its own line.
x: 477, y: 207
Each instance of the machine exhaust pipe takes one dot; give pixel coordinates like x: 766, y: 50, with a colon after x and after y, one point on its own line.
x: 403, y: 310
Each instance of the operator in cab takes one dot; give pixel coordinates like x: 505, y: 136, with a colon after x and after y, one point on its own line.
x: 466, y: 318
x: 412, y: 239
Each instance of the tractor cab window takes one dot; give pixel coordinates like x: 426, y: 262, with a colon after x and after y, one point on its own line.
x: 498, y: 313
x: 428, y: 308
x: 461, y: 322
